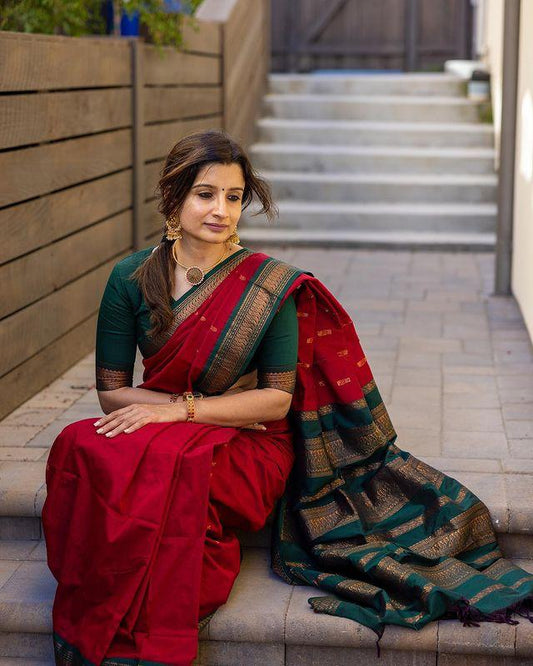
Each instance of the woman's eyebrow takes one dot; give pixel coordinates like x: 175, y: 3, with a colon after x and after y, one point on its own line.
x: 214, y: 187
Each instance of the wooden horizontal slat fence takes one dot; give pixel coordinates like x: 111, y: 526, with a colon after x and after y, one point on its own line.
x: 85, y: 126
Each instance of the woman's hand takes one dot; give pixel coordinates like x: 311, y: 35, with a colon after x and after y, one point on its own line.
x: 131, y: 418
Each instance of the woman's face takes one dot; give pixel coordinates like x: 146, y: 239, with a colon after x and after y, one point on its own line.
x: 212, y: 207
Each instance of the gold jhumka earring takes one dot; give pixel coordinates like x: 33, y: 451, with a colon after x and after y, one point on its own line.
x: 173, y: 230
x: 234, y: 238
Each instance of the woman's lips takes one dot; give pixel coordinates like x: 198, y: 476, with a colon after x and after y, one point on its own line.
x: 216, y: 227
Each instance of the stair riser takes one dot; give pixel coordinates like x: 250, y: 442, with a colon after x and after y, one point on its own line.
x: 257, y: 238
x: 382, y: 192
x: 349, y: 110
x: 339, y: 85
x: 373, y: 163
x: 361, y: 137
x: 377, y: 222
x: 32, y: 646
x: 20, y: 528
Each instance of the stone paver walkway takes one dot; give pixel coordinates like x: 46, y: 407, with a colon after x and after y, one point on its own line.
x: 453, y: 362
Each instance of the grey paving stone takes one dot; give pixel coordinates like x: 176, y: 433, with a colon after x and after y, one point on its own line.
x: 418, y: 441
x: 519, y: 429
x: 25, y: 661
x: 7, y: 569
x: 481, y: 660
x: 465, y: 332
x: 26, y: 599
x: 431, y: 345
x: 426, y: 417
x: 226, y: 653
x: 416, y: 395
x: 489, y: 639
x: 243, y: 617
x: 20, y: 527
x: 461, y: 444
x: 466, y: 359
x: 471, y: 400
x: 412, y: 359
x: 431, y: 306
x: 45, y: 438
x: 21, y: 453
x: 20, y: 549
x: 491, y: 489
x: 16, y: 435
x: 521, y: 448
x: 516, y: 546
x: 27, y: 647
x: 418, y: 377
x: 517, y: 412
x: 519, y: 489
x: 19, y: 483
x: 473, y: 420
x: 450, y: 465
x: 518, y: 466
x: 314, y: 655
x: 515, y: 381
x: 305, y: 627
x: 24, y: 416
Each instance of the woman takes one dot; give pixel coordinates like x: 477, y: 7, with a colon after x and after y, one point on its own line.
x: 143, y: 504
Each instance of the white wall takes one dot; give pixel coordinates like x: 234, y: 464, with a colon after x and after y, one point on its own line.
x: 522, y: 269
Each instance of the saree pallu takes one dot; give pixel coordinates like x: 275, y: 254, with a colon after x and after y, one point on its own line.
x: 139, y: 528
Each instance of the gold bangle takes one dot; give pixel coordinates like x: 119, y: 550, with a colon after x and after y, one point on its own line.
x: 188, y: 398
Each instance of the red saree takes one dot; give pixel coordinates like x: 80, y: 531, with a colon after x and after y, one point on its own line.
x: 140, y: 529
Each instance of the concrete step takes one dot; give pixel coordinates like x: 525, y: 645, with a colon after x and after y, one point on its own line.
x: 364, y: 216
x: 384, y: 240
x: 369, y: 133
x: 382, y: 187
x: 391, y: 108
x: 368, y: 84
x: 265, y: 621
x: 371, y: 159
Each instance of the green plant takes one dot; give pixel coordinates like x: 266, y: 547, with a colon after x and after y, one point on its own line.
x: 83, y: 17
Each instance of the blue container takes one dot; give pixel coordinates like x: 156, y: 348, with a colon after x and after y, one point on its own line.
x: 129, y: 24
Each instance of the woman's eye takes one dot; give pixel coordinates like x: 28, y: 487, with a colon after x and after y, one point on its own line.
x: 206, y: 195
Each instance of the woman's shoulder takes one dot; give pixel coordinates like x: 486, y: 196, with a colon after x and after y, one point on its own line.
x: 127, y: 266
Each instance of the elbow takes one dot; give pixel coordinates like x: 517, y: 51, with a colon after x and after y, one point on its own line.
x: 107, y: 400
x: 282, y: 404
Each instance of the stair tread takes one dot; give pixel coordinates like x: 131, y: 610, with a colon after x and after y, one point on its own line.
x: 482, y: 128
x: 414, y: 208
x: 368, y: 76
x: 470, y: 152
x: 279, y: 614
x: 423, y: 100
x: 466, y: 180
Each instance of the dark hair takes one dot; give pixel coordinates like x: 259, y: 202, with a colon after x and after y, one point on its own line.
x: 155, y: 276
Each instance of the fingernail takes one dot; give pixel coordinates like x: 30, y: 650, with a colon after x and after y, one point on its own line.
x: 96, y: 424
x: 99, y: 431
x: 108, y: 434
x: 127, y: 430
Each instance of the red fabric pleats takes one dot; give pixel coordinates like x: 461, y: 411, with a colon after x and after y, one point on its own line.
x: 140, y: 530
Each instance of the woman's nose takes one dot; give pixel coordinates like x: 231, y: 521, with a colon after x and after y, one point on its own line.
x: 221, y: 206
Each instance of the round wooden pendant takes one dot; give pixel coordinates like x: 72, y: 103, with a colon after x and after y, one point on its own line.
x: 194, y: 275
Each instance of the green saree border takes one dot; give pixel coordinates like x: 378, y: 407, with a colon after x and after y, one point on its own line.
x: 252, y: 313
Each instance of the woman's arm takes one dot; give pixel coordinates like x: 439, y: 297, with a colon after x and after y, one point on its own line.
x: 110, y: 401
x: 234, y: 410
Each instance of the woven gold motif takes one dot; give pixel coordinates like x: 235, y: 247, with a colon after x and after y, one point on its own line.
x: 109, y: 380
x: 283, y: 381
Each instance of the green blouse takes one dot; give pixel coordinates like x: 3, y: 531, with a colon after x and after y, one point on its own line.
x: 124, y: 320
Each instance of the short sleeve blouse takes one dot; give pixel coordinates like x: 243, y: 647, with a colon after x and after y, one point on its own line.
x: 124, y: 321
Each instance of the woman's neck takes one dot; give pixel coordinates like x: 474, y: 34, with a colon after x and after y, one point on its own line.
x: 193, y: 252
